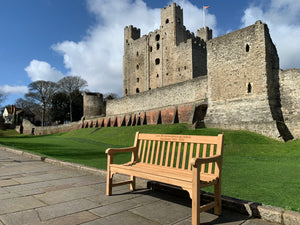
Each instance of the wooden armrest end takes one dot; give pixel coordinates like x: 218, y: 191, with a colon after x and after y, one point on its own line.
x: 111, y: 151
x: 196, y: 162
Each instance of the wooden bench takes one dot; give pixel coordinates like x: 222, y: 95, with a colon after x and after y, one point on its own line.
x: 188, y: 161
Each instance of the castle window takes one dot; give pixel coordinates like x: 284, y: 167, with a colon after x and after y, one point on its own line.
x: 167, y: 74
x: 137, y: 79
x: 150, y: 48
x: 178, y: 69
x: 137, y: 90
x: 149, y: 88
x: 157, y: 37
x: 184, y: 67
x: 247, y: 48
x: 249, y: 88
x: 157, y: 75
x: 137, y: 66
x: 137, y: 53
x: 157, y: 61
x: 157, y: 46
x: 167, y: 21
x: 126, y: 91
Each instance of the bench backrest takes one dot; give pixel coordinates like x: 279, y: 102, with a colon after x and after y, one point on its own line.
x: 176, y: 151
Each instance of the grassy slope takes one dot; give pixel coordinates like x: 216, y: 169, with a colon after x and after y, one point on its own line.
x: 255, y: 167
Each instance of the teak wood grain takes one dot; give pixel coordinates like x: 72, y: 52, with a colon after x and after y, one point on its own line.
x: 188, y: 161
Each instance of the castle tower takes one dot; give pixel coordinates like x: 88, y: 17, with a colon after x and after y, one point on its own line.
x: 172, y: 24
x: 131, y: 33
x: 93, y: 104
x: 205, y: 33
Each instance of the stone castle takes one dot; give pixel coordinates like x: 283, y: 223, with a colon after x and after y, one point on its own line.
x: 174, y: 76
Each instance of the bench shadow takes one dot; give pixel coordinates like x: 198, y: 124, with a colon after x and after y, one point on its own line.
x: 179, y: 196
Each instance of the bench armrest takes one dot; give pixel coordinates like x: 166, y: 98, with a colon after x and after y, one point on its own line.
x: 111, y: 151
x: 196, y: 162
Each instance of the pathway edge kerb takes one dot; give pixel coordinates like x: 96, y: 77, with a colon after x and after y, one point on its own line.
x: 252, y: 209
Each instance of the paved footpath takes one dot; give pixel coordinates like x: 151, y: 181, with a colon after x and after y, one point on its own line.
x: 35, y: 192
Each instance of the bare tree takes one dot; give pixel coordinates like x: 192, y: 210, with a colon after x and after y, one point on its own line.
x: 42, y: 93
x: 68, y: 85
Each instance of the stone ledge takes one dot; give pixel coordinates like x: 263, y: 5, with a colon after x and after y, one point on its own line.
x: 252, y: 209
x: 291, y: 218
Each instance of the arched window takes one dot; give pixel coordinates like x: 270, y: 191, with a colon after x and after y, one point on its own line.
x: 247, y: 48
x: 157, y: 61
x: 249, y: 88
x: 137, y: 66
x: 167, y: 21
x: 157, y: 46
x: 137, y: 79
x: 137, y: 90
x: 157, y: 37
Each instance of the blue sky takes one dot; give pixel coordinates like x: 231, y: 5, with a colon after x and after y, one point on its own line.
x: 49, y: 39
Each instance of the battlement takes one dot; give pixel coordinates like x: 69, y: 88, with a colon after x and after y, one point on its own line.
x: 131, y: 32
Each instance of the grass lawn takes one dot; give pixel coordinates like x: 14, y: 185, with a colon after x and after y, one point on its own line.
x: 255, y: 167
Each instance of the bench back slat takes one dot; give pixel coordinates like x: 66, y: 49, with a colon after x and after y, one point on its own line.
x: 176, y: 151
x: 167, y: 154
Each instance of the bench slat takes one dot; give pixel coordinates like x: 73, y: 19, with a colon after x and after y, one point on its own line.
x: 157, y: 152
x: 173, y: 154
x: 152, y: 151
x: 203, y: 155
x: 191, y: 156
x: 211, y: 153
x: 184, y: 156
x: 148, y: 151
x: 144, y: 150
x: 167, y: 154
x: 162, y: 152
x: 178, y: 155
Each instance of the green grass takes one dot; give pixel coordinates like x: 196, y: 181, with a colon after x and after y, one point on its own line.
x: 255, y: 167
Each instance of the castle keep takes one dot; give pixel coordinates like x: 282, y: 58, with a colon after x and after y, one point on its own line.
x: 232, y: 81
x: 166, y: 56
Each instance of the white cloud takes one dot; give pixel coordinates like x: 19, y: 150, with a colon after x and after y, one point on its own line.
x: 283, y: 19
x: 39, y: 70
x: 98, y: 57
x: 6, y: 89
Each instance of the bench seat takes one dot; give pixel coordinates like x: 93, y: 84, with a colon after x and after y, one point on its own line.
x: 172, y: 176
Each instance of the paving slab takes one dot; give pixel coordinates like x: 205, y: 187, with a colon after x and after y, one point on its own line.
x: 66, y: 208
x: 35, y: 192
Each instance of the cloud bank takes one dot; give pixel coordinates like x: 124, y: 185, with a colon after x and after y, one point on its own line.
x: 6, y: 89
x: 39, y: 70
x: 283, y: 19
x: 98, y: 57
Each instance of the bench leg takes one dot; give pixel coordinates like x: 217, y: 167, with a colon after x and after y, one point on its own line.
x: 196, y: 196
x: 132, y: 185
x: 109, y: 176
x: 218, y: 200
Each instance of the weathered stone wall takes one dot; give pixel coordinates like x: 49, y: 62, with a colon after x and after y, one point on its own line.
x: 93, y: 104
x: 243, y: 82
x: 29, y: 128
x: 181, y: 93
x: 290, y: 99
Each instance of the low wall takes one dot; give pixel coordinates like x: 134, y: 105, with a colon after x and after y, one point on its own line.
x: 29, y: 128
x: 185, y: 113
x: 187, y: 92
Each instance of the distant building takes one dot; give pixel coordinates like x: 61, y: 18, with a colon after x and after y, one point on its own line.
x: 15, y: 116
